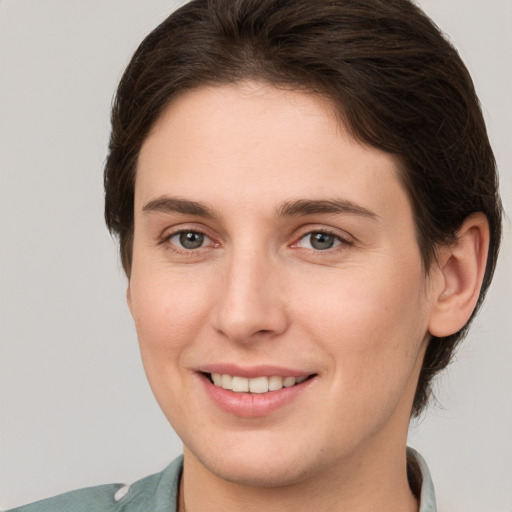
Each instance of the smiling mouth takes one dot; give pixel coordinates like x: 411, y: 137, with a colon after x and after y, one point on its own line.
x: 259, y: 385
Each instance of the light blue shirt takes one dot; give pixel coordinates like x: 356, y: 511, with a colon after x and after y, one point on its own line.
x: 159, y: 493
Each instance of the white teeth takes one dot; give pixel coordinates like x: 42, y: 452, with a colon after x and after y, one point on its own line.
x: 255, y: 385
x: 226, y: 381
x: 288, y: 382
x: 275, y: 383
x: 240, y: 384
x: 258, y: 385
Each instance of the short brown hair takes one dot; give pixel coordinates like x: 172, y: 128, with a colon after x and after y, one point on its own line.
x: 394, y: 80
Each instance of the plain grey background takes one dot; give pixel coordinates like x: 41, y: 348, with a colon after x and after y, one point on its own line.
x: 75, y: 406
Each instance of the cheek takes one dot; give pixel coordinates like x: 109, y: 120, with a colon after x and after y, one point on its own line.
x: 352, y: 301
x: 168, y: 310
x: 169, y: 314
x: 372, y: 324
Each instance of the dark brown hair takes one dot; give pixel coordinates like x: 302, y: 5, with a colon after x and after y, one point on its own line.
x: 394, y: 80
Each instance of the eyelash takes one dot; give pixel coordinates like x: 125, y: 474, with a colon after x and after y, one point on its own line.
x: 166, y: 241
x: 342, y: 241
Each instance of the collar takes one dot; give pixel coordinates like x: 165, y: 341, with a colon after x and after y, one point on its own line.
x: 427, y: 493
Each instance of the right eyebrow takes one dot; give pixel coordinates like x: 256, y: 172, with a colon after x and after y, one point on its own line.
x: 167, y: 204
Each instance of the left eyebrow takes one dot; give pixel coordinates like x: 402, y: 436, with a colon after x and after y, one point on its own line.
x: 312, y: 207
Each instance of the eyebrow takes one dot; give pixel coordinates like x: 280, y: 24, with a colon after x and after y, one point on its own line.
x: 332, y: 206
x: 301, y: 207
x: 177, y: 205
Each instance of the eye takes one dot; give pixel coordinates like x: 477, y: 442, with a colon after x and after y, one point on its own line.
x: 189, y: 240
x: 320, y: 241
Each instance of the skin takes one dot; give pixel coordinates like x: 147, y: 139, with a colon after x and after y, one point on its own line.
x: 256, y: 292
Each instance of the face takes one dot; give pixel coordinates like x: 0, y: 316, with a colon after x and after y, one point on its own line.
x: 277, y: 287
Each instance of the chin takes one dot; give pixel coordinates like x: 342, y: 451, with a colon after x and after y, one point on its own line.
x: 262, y: 472
x: 259, y: 463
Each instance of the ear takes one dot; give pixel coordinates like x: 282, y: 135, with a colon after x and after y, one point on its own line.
x: 461, y: 268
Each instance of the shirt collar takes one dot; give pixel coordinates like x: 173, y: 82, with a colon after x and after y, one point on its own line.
x: 427, y: 494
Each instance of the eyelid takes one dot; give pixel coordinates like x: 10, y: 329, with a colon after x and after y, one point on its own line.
x: 166, y: 236
x: 344, y: 238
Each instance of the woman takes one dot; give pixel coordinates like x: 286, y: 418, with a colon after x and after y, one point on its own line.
x: 306, y: 204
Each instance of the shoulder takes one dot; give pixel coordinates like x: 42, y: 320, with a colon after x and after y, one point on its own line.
x: 100, y: 498
x: 154, y: 493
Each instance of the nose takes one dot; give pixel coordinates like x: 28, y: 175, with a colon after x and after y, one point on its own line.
x: 250, y: 303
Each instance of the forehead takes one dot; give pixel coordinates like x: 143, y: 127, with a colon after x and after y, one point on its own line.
x: 256, y: 145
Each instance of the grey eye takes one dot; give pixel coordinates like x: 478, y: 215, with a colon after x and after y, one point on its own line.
x: 319, y: 241
x: 188, y: 239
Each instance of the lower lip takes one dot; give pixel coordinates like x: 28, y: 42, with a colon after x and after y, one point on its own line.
x: 253, y: 405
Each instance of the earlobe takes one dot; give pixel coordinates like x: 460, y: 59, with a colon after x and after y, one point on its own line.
x: 461, y: 271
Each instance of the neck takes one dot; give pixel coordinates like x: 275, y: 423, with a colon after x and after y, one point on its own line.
x: 377, y: 481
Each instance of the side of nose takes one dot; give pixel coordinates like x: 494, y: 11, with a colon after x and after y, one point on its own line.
x: 250, y: 302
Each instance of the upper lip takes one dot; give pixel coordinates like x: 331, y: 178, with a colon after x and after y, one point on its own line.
x: 251, y: 372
